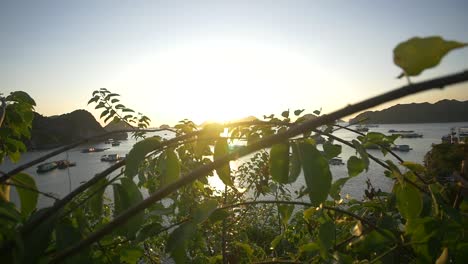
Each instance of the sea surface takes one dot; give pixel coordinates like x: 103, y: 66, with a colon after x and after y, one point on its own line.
x: 61, y: 182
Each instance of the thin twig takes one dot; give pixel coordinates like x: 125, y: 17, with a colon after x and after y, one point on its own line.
x: 267, y: 141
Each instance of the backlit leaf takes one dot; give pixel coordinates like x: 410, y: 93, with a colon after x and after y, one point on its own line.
x: 336, y: 188
x: 294, y: 164
x: 126, y: 195
x: 316, y: 173
x: 138, y: 153
x: 95, y: 202
x: 279, y: 162
x: 170, y: 167
x: 331, y: 150
x: 285, y: 211
x: 66, y: 234
x: 224, y: 172
x: 326, y: 236
x: 355, y: 166
x: 408, y: 200
x: 177, y: 241
x: 27, y: 197
x: 417, y: 54
x: 204, y: 210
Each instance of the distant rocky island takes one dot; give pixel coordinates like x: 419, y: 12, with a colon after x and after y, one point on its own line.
x: 54, y: 131
x: 440, y: 112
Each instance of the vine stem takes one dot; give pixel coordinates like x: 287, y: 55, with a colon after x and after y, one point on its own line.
x: 258, y: 145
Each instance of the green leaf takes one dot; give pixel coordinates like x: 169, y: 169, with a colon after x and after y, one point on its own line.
x: 309, y: 248
x: 294, y: 164
x: 27, y: 197
x: 218, y: 215
x: 414, y: 167
x: 104, y: 113
x: 285, y: 114
x: 169, y: 166
x: 37, y: 241
x: 276, y: 241
x: 94, y: 99
x: 285, y: 211
x: 224, y: 172
x: 279, y: 162
x: 331, y: 150
x: 130, y: 254
x: 336, y: 187
x: 126, y: 195
x: 298, y: 112
x: 444, y: 257
x: 177, y: 241
x: 204, y: 210
x: 408, y: 200
x: 21, y: 97
x: 65, y: 235
x: 326, y: 236
x: 316, y: 173
x: 417, y: 54
x: 149, y: 231
x: 355, y: 166
x: 138, y: 153
x: 96, y: 201
x: 246, y: 248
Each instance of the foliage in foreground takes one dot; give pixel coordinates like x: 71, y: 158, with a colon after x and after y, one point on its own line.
x: 257, y: 217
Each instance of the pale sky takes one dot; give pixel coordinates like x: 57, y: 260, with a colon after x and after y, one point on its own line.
x: 219, y: 59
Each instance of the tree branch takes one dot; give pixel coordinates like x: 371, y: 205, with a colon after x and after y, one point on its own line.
x: 268, y: 141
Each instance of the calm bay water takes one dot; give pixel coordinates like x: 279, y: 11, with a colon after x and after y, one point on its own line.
x: 60, y: 182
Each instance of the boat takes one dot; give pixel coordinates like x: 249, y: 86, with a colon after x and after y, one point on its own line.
x: 111, y: 157
x: 109, y: 141
x: 63, y: 164
x: 45, y: 167
x: 400, y: 131
x: 362, y: 129
x: 115, y: 143
x: 336, y: 161
x: 403, y: 148
x: 408, y: 135
x: 89, y: 150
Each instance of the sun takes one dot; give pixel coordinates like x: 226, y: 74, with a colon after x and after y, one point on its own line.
x: 221, y: 80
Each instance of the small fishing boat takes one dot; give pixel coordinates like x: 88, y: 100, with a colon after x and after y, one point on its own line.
x: 402, y: 148
x: 45, y: 167
x: 63, y: 164
x: 362, y: 129
x: 336, y: 161
x: 90, y: 150
x: 408, y: 135
x: 115, y: 143
x: 400, y: 131
x: 111, y: 157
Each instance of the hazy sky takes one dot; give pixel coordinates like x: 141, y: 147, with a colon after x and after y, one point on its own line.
x: 219, y: 59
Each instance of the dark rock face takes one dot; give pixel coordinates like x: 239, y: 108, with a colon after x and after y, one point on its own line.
x: 440, y: 112
x: 54, y: 131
